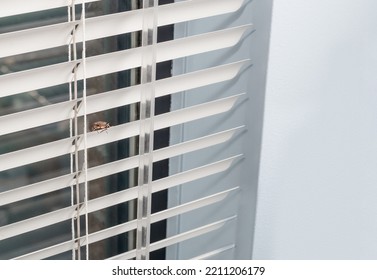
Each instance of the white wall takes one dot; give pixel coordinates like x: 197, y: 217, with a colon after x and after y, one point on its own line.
x: 317, y: 193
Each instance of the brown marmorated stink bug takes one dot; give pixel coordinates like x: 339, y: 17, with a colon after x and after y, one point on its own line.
x: 100, y: 126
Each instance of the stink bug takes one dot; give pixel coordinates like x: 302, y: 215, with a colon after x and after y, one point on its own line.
x: 100, y: 126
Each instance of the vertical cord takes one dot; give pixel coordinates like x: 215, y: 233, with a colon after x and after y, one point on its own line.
x: 71, y: 135
x: 85, y: 165
x: 134, y: 37
x: 75, y: 196
x: 77, y: 227
x: 147, y: 104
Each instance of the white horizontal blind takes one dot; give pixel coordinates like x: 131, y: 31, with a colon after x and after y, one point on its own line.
x: 75, y: 71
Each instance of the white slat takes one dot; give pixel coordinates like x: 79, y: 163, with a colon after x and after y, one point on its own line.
x: 36, y: 222
x: 201, y: 43
x: 195, y: 144
x: 190, y: 234
x: 117, y: 61
x: 66, y: 146
x: 177, y: 238
x: 214, y: 252
x: 35, y: 189
x: 201, y: 78
x: 190, y: 10
x: 193, y: 174
x: 16, y: 7
x: 112, y: 199
x: 116, y: 98
x: 190, y: 206
x: 131, y: 225
x: 48, y: 251
x: 36, y: 78
x: 37, y: 117
x: 197, y: 112
x: 34, y: 39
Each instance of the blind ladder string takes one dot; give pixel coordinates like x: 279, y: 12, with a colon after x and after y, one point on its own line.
x: 70, y: 131
x: 84, y: 101
x: 147, y: 104
x: 76, y: 230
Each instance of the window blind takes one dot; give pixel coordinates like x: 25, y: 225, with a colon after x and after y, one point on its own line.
x: 79, y: 67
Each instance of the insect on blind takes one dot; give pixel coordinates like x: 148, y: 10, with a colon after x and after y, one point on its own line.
x: 81, y: 85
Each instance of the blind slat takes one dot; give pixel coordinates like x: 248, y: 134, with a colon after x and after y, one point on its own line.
x: 201, y: 78
x: 36, y: 222
x: 17, y: 7
x: 48, y: 251
x: 29, y: 40
x: 214, y: 252
x: 36, y: 78
x: 176, y: 238
x: 195, y: 144
x: 116, y: 98
x: 35, y: 189
x: 117, y: 61
x: 192, y: 205
x: 193, y: 174
x: 37, y: 117
x: 190, y: 10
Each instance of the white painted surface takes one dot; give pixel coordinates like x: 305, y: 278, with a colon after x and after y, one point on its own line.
x: 317, y: 193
